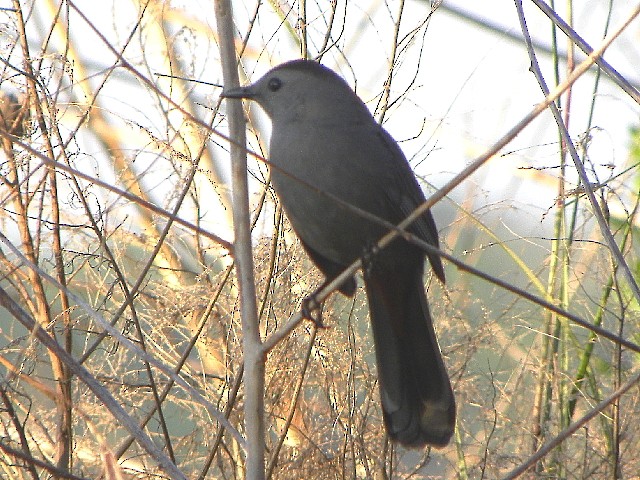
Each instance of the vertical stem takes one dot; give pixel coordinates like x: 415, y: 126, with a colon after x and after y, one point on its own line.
x: 61, y: 374
x: 252, y: 344
x: 304, y: 49
x: 384, y: 101
x: 565, y: 237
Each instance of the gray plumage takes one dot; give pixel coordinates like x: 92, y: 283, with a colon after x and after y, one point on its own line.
x: 325, y: 136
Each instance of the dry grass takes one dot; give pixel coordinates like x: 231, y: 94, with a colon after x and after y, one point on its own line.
x: 115, y: 207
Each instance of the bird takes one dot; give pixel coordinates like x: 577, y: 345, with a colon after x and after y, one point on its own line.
x: 327, y: 150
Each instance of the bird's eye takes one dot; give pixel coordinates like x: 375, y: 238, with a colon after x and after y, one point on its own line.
x: 274, y: 84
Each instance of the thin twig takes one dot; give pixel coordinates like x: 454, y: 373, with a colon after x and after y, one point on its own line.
x: 123, y: 193
x: 571, y: 429
x: 584, y: 46
x: 195, y: 394
x: 89, y: 380
x: 595, y: 205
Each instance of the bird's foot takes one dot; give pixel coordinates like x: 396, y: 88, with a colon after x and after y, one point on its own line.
x: 309, y: 305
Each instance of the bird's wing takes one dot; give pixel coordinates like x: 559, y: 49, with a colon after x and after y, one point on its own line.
x: 407, y: 195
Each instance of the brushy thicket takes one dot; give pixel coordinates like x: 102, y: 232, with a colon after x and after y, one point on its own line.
x: 115, y: 201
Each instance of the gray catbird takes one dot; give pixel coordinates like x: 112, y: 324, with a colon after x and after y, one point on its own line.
x: 324, y: 139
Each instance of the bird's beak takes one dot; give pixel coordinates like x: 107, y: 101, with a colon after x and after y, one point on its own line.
x: 237, y: 92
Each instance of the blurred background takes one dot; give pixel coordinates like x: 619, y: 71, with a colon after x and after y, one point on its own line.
x: 116, y: 191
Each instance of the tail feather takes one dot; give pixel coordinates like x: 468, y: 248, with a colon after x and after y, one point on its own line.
x: 416, y: 395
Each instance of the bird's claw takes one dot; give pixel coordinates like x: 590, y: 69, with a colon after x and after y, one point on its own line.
x: 309, y: 304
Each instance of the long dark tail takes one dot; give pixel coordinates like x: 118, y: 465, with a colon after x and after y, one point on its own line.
x: 417, y: 399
